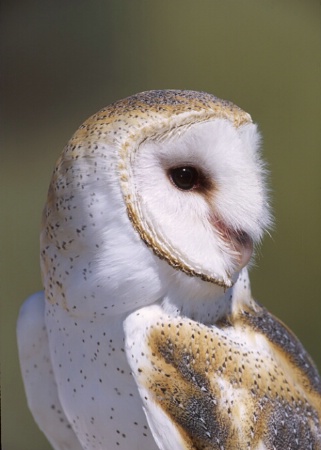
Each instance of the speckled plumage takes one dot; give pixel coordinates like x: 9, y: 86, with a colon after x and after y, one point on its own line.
x: 149, y: 334
x: 222, y: 389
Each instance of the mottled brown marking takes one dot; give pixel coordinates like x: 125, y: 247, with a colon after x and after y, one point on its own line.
x: 286, y: 344
x: 223, y: 393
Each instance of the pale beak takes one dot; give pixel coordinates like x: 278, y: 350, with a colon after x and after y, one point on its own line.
x: 238, y: 240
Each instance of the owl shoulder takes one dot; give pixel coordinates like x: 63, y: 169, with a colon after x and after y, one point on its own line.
x: 282, y: 340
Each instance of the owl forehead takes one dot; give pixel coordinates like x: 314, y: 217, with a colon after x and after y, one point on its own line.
x: 125, y: 124
x: 150, y: 113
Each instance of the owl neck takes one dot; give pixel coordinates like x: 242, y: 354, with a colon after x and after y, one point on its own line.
x: 206, y: 302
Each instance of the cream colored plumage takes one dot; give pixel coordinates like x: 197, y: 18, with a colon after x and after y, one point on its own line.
x: 149, y: 334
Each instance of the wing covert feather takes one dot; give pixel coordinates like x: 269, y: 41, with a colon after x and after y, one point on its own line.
x: 232, y: 385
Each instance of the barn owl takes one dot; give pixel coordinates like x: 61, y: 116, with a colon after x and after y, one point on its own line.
x: 146, y: 335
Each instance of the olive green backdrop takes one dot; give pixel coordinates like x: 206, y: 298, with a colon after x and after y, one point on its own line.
x: 64, y: 60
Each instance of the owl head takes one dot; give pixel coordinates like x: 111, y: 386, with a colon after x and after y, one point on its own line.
x: 161, y: 188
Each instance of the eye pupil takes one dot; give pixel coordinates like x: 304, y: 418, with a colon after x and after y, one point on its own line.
x: 185, y: 178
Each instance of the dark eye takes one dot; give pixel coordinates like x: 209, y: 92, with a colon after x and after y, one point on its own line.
x: 185, y: 178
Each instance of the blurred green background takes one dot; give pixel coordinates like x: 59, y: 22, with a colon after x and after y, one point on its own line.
x: 64, y: 60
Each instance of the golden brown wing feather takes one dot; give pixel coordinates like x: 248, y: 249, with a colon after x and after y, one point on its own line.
x: 244, y: 383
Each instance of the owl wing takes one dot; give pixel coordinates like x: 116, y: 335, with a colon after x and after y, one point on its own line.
x: 244, y: 383
x: 38, y: 376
